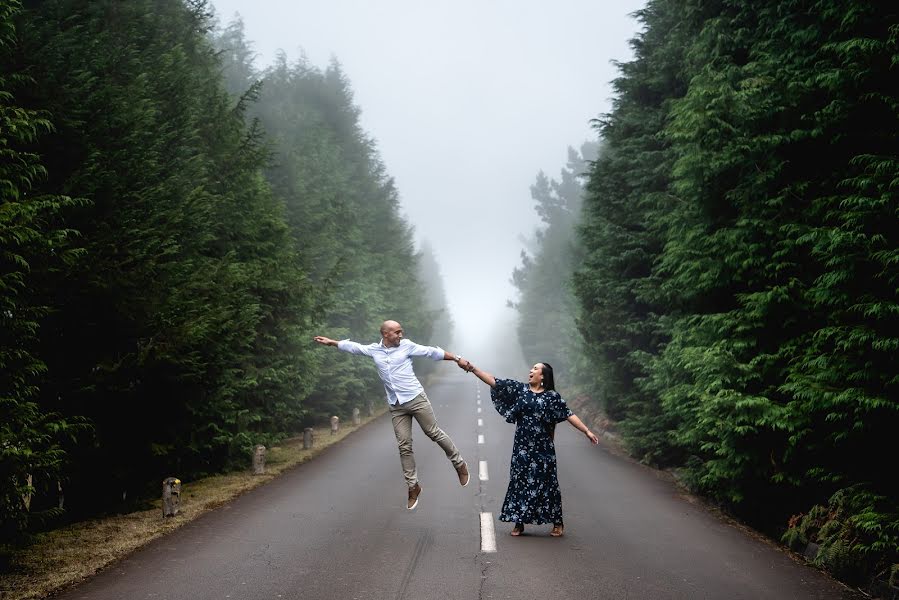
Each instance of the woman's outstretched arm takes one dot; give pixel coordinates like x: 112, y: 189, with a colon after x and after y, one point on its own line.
x: 579, y: 425
x: 484, y: 376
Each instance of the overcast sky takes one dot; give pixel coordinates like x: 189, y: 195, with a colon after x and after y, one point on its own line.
x: 467, y: 100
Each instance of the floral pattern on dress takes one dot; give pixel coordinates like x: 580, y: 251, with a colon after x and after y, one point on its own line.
x: 533, y: 495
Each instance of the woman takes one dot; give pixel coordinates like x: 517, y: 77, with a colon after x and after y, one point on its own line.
x: 535, y: 407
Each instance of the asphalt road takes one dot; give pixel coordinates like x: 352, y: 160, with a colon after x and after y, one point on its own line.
x: 337, y: 528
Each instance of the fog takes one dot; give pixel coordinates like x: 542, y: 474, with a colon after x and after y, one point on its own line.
x: 467, y: 101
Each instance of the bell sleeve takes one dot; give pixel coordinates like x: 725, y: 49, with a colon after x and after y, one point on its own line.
x: 505, y: 399
x: 556, y: 410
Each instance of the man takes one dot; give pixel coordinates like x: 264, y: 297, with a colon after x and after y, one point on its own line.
x: 406, y: 397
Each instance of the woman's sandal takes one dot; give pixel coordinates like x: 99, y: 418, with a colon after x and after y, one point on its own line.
x: 518, y: 529
x: 557, y: 530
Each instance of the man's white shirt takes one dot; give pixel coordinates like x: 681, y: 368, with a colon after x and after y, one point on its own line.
x: 395, y: 365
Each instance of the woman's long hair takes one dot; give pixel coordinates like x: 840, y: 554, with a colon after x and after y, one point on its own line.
x: 549, y: 383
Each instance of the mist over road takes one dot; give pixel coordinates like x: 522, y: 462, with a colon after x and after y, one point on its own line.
x: 337, y: 528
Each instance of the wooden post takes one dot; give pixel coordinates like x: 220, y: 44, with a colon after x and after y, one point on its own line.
x: 171, y: 496
x: 26, y: 499
x: 259, y: 460
x: 335, y: 424
x: 308, y: 438
x: 356, y: 418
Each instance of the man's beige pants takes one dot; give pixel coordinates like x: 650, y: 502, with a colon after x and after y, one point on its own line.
x: 420, y: 408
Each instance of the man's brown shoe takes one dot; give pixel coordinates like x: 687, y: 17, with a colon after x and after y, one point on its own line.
x: 464, y: 477
x: 414, y: 492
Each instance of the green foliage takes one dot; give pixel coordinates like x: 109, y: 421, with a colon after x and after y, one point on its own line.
x: 180, y: 336
x: 436, y: 312
x: 856, y: 535
x: 162, y: 323
x: 621, y: 311
x: 32, y: 244
x: 343, y: 216
x: 739, y: 291
x: 546, y: 305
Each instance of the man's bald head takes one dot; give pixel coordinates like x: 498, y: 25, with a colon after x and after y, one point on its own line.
x: 388, y: 325
x: 392, y: 333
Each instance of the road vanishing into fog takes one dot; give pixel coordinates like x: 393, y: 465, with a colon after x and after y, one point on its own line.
x: 337, y: 528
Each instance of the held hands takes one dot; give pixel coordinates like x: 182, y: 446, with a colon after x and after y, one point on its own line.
x: 484, y: 376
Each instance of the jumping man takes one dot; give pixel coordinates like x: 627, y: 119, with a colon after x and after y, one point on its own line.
x: 406, y: 397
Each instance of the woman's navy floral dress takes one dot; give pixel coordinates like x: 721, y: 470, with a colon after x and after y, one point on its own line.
x: 533, y: 495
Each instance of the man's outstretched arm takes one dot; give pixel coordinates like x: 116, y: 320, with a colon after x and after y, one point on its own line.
x: 348, y: 346
x: 432, y: 352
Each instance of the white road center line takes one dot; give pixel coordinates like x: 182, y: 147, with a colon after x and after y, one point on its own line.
x: 488, y: 536
x: 482, y: 470
x: 480, y: 422
x: 479, y: 410
x: 480, y: 438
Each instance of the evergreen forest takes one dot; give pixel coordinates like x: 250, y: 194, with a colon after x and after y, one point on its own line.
x: 175, y: 227
x: 723, y: 277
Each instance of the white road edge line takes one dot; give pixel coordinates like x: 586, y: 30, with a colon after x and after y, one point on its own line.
x: 488, y: 536
x: 482, y: 470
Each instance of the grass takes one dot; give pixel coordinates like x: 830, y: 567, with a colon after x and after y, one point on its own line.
x: 63, y: 557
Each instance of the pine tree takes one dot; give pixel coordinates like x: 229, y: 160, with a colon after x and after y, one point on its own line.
x: 764, y: 181
x: 622, y: 312
x: 546, y: 306
x: 33, y: 243
x: 343, y: 215
x: 179, y: 331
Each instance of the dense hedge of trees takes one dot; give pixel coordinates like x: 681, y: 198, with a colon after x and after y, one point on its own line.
x: 739, y: 292
x: 343, y: 212
x: 546, y: 303
x: 174, y: 228
x: 32, y: 246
